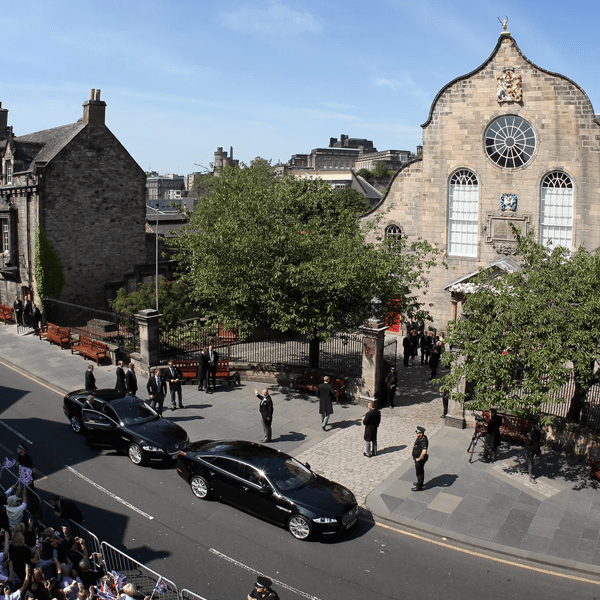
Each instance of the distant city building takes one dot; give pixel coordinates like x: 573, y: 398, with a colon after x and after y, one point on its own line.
x: 222, y: 160
x: 160, y: 187
x: 393, y: 159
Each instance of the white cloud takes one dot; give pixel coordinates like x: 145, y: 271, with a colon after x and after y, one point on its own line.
x: 275, y: 19
x: 405, y: 85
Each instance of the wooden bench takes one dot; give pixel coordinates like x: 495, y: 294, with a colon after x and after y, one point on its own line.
x: 189, y: 369
x: 57, y: 335
x: 513, y: 428
x: 6, y: 314
x: 90, y: 348
x: 311, y: 381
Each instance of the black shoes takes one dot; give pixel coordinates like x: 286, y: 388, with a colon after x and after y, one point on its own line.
x: 416, y: 489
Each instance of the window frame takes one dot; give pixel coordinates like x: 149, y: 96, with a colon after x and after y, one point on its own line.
x: 461, y: 226
x: 565, y: 182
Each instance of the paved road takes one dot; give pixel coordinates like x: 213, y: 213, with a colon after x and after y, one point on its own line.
x: 209, y: 547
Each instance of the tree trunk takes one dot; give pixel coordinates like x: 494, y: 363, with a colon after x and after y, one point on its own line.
x: 314, y: 346
x: 578, y: 400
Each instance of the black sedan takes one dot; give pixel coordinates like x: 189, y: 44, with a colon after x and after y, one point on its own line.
x: 269, y: 484
x: 125, y: 423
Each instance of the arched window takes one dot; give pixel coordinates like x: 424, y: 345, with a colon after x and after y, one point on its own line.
x: 556, y: 211
x: 463, y: 213
x: 393, y: 231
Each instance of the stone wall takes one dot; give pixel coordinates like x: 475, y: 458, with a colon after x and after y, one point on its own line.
x: 93, y: 209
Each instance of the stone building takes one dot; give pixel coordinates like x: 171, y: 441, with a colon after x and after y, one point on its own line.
x: 509, y: 142
x: 162, y: 189
x: 222, y: 160
x: 84, y: 189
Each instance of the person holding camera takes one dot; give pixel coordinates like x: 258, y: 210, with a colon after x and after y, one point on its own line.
x: 492, y: 437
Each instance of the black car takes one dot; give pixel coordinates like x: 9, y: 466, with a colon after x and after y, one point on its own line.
x: 269, y: 484
x: 125, y: 423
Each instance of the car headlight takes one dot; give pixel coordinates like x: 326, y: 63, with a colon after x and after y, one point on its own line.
x: 152, y: 449
x: 325, y: 520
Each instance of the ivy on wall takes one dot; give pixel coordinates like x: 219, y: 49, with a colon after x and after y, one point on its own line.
x: 48, y: 269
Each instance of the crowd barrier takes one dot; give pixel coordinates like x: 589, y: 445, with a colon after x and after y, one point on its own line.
x: 148, y: 582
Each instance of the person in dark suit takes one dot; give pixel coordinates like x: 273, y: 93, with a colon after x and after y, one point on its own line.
x: 371, y: 422
x: 120, y: 385
x: 131, y: 380
x: 325, y: 393
x: 66, y: 509
x: 157, y: 390
x: 213, y: 359
x: 27, y: 312
x: 175, y: 376
x: 391, y: 383
x: 202, y: 373
x: 266, y: 412
x: 420, y: 456
x: 492, y: 436
x: 90, y: 379
x: 36, y: 317
x: 18, y: 308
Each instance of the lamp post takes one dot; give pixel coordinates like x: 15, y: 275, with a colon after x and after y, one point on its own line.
x: 156, y: 257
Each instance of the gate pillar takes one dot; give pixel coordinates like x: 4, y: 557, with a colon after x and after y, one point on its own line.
x: 147, y: 320
x: 456, y: 410
x: 372, y: 360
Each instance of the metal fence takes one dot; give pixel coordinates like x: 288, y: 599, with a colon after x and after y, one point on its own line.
x: 341, y: 354
x: 104, y: 326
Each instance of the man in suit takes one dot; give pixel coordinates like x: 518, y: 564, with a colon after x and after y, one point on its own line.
x: 120, y: 385
x: 325, y: 393
x: 90, y: 379
x: 202, y: 373
x: 157, y: 390
x: 175, y: 376
x: 391, y: 383
x: 66, y: 509
x: 266, y: 412
x: 371, y: 422
x: 18, y: 308
x: 131, y: 380
x: 27, y: 312
x: 213, y: 359
x: 36, y: 317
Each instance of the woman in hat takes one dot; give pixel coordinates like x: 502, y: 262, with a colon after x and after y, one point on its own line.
x: 262, y: 589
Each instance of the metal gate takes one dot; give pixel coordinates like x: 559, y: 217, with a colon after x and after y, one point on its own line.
x: 390, y: 356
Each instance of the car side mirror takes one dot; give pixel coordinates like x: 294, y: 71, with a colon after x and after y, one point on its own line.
x: 307, y: 466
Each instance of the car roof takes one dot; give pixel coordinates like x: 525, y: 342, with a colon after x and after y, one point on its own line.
x: 240, y: 449
x: 106, y: 395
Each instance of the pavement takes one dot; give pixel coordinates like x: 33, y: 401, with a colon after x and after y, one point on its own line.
x: 490, y: 506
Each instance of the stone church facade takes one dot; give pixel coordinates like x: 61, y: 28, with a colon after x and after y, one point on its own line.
x: 85, y: 190
x: 509, y: 142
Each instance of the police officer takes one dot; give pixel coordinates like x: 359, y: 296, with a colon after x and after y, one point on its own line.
x: 420, y: 456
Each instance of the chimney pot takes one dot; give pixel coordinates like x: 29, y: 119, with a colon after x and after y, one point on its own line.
x: 98, y: 94
x: 92, y: 92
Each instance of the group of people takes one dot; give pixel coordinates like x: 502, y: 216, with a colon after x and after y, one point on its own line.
x: 430, y: 346
x: 27, y: 314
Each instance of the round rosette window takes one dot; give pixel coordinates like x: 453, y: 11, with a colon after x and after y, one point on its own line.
x: 510, y: 141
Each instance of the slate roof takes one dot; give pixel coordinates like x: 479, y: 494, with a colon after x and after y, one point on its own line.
x: 43, y: 146
x: 506, y: 264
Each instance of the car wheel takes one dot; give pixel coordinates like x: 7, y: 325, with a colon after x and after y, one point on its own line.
x: 200, y: 487
x: 76, y: 424
x: 136, y: 456
x: 300, y: 527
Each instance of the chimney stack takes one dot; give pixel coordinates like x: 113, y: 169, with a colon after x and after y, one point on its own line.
x: 3, y: 123
x: 94, y: 109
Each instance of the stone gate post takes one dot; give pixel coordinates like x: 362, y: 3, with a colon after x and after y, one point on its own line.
x: 456, y: 410
x: 147, y: 320
x: 372, y: 361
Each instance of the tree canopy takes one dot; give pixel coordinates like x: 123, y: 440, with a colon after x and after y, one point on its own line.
x: 524, y: 335
x: 282, y: 252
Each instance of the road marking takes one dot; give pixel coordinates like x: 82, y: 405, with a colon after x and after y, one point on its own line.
x: 488, y: 557
x: 247, y: 568
x: 99, y: 487
x: 16, y: 432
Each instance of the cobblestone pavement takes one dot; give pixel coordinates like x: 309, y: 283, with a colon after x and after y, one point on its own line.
x: 340, y: 456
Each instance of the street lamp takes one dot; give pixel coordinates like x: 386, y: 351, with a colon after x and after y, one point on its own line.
x: 156, y: 257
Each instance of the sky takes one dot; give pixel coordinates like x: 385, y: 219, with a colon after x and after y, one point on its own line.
x: 271, y: 78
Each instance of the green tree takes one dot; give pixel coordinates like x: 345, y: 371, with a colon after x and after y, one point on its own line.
x: 282, y: 252
x: 172, y: 301
x: 523, y: 335
x: 352, y: 200
x: 380, y: 171
x: 48, y: 269
x: 365, y: 174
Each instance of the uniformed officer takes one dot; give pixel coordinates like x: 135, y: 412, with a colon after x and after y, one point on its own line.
x: 420, y: 457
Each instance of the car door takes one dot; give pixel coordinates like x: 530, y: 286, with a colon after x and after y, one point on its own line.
x: 98, y: 427
x: 259, y: 496
x: 225, y: 479
x: 121, y: 438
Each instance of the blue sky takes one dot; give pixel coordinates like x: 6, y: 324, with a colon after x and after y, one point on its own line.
x: 269, y: 77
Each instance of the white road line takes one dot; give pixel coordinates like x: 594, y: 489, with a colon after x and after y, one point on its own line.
x: 243, y: 566
x: 99, y: 487
x: 16, y: 432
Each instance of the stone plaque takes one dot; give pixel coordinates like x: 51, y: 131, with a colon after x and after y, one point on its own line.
x: 499, y: 232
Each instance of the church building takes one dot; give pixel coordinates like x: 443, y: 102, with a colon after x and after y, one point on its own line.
x: 509, y: 142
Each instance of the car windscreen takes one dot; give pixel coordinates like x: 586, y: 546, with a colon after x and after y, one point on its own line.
x: 289, y: 474
x: 135, y: 413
